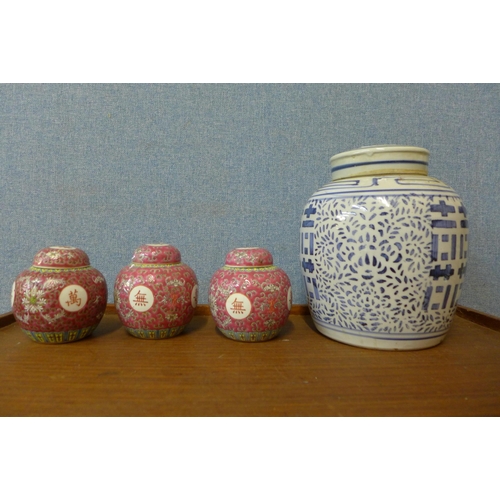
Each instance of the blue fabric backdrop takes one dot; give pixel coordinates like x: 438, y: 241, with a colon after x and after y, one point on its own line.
x: 211, y: 167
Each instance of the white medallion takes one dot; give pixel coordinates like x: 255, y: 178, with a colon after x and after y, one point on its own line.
x: 73, y: 298
x: 289, y: 298
x: 141, y: 298
x: 194, y: 296
x: 238, y: 306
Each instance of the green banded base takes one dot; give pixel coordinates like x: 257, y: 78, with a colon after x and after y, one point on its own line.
x: 164, y: 333
x: 60, y: 337
x: 250, y: 336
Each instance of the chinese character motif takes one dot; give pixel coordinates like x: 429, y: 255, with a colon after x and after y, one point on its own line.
x: 140, y: 299
x: 74, y: 299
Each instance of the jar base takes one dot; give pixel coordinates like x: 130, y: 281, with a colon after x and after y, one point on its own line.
x: 399, y: 344
x: 60, y: 337
x: 250, y: 336
x: 152, y: 334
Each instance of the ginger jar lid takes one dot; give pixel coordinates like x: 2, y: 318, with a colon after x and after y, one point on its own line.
x: 156, y: 253
x: 382, y: 159
x: 249, y: 257
x: 61, y: 257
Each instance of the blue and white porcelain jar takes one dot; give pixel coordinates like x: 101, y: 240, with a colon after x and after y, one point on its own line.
x: 384, y: 250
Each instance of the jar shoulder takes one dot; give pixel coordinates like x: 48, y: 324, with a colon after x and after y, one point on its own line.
x: 158, y: 271
x: 389, y: 185
x: 41, y: 273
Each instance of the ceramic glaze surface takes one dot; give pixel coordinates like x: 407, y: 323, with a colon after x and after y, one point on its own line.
x: 157, y: 294
x: 61, y: 257
x: 384, y: 256
x: 250, y: 298
x: 61, y: 298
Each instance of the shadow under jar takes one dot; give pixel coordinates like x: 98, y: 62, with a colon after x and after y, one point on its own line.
x: 384, y: 250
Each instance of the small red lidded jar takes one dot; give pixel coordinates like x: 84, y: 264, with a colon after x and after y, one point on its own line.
x: 250, y: 298
x: 60, y: 298
x: 157, y: 294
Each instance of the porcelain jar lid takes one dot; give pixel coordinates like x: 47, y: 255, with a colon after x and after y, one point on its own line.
x: 382, y: 159
x: 61, y: 257
x: 156, y: 253
x: 249, y: 257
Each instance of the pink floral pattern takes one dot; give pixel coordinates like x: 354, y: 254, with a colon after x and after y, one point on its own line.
x: 157, y: 294
x: 59, y: 299
x: 250, y: 303
x: 157, y: 254
x: 61, y: 257
x: 249, y: 257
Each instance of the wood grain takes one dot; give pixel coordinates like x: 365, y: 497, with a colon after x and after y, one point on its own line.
x: 479, y: 318
x: 201, y: 373
x: 204, y: 310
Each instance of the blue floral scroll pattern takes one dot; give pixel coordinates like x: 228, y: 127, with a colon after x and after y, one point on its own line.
x: 373, y: 264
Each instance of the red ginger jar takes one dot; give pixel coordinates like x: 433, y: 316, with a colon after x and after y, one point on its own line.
x: 250, y: 298
x: 60, y: 298
x: 157, y: 294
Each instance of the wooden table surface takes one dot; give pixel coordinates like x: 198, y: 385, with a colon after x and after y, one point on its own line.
x: 201, y: 373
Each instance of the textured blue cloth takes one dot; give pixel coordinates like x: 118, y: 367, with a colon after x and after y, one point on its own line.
x: 211, y: 167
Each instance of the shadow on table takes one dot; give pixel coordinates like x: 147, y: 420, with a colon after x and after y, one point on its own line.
x: 109, y: 324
